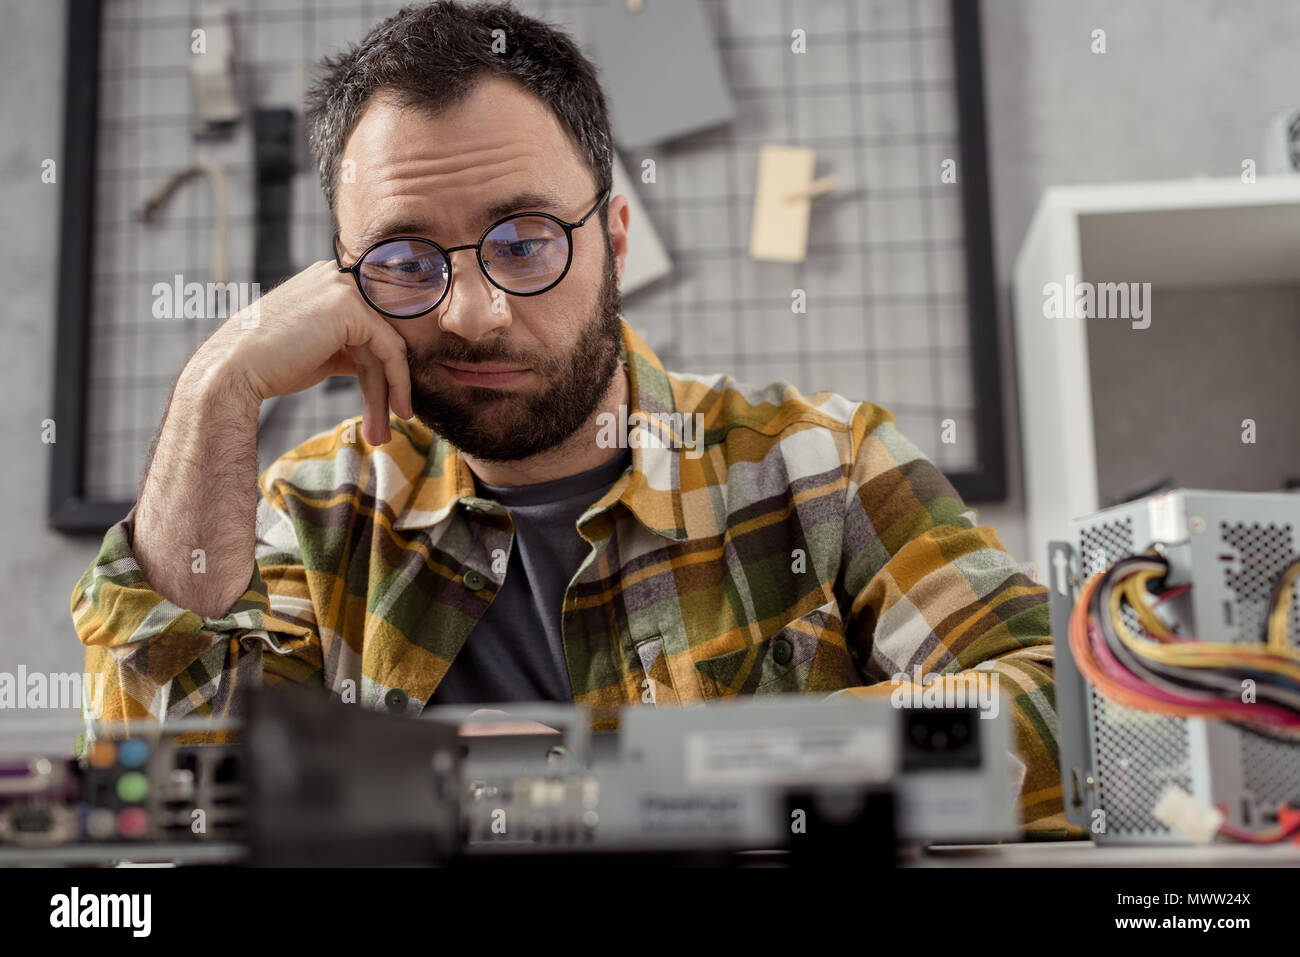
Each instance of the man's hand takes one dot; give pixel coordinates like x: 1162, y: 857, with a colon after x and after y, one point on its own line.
x: 311, y: 326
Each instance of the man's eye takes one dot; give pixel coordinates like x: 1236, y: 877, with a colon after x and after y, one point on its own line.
x: 409, y: 267
x: 525, y: 247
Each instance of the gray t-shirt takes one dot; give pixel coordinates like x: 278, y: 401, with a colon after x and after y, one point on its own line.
x: 515, y: 652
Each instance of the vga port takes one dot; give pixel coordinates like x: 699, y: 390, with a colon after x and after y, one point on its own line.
x: 43, y: 824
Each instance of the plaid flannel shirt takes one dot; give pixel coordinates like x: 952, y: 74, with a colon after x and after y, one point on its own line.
x: 807, y: 547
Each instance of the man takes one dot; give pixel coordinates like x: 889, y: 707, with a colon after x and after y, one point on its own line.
x: 547, y: 514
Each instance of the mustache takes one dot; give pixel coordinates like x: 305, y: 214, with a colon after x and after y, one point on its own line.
x: 467, y: 355
x: 543, y: 365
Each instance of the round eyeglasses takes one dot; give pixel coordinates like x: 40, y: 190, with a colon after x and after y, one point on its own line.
x: 524, y: 254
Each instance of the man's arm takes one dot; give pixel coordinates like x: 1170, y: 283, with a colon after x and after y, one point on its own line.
x: 176, y: 610
x: 162, y: 662
x: 194, y: 528
x: 925, y: 588
x: 202, y: 577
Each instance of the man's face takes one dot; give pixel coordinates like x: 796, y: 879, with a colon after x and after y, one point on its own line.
x: 444, y: 178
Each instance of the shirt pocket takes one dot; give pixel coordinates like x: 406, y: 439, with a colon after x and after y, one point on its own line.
x: 809, y: 654
x: 658, y: 686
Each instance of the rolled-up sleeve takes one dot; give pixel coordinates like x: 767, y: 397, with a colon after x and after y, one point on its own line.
x: 929, y: 592
x: 161, y: 662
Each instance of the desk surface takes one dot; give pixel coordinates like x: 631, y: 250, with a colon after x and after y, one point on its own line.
x: 1087, y: 854
x: 1072, y: 854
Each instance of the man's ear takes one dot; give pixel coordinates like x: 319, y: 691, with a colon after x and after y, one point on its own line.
x: 617, y: 213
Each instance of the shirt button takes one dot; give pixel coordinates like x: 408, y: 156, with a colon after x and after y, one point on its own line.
x: 474, y: 580
x: 782, y: 651
x: 396, y: 700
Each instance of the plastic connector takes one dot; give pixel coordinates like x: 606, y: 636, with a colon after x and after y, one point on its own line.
x: 1287, y: 818
x: 1185, y: 815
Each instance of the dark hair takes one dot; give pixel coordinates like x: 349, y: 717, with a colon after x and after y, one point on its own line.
x: 432, y: 56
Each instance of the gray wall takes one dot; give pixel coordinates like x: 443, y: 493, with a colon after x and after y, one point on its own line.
x: 37, y: 568
x: 1186, y: 88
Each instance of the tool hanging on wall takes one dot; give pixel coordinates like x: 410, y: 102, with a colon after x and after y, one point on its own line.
x: 275, y: 160
x: 154, y: 203
x: 652, y: 99
x: 212, y: 70
x: 783, y: 203
x: 646, y: 259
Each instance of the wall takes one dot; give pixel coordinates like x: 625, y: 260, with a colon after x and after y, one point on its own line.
x: 1186, y: 88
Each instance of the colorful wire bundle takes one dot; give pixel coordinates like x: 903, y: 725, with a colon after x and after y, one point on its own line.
x: 1174, y: 674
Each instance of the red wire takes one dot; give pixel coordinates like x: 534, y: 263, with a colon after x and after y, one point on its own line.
x: 1171, y: 593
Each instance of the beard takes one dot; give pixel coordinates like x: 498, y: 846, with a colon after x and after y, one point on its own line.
x: 500, y: 425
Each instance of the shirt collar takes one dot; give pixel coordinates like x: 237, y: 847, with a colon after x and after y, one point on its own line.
x: 650, y: 489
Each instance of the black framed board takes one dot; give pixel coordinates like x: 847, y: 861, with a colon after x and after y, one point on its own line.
x: 899, y: 269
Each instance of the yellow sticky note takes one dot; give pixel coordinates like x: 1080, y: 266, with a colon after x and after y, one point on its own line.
x: 782, y: 202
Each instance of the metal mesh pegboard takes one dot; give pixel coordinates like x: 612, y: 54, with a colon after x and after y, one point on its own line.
x: 891, y: 296
x: 144, y: 135
x: 885, y: 275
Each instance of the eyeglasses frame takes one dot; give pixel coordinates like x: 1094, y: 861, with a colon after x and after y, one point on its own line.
x: 355, y: 268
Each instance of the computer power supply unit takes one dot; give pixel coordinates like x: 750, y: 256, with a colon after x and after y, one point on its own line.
x: 1117, y: 761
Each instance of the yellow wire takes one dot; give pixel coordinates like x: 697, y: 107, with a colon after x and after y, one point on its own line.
x: 1134, y: 591
x: 1193, y: 654
x: 1279, y: 615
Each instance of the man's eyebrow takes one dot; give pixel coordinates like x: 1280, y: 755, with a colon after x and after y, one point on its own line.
x: 385, y: 228
x: 542, y: 202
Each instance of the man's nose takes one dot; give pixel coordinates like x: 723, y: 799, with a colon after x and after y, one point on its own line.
x: 474, y: 308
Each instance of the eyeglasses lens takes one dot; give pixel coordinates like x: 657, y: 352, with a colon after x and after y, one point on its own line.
x: 526, y: 254
x: 404, y: 277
